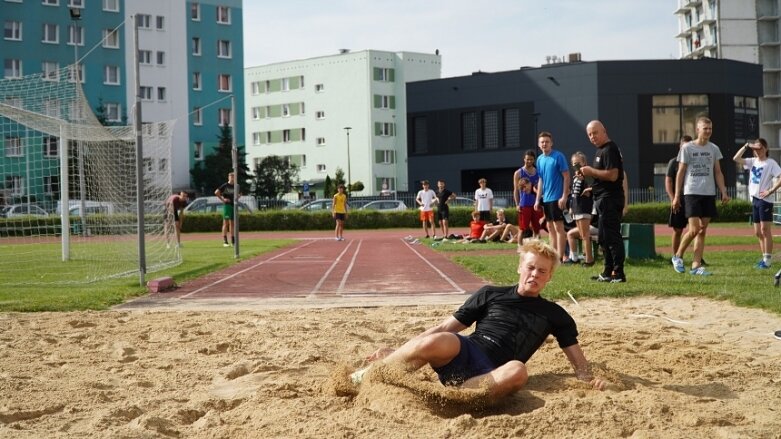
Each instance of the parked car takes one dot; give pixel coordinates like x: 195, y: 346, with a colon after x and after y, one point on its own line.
x: 385, y: 205
x: 297, y: 204
x: 272, y: 203
x: 15, y: 210
x: 318, y: 205
x: 357, y: 204
x: 211, y: 204
x: 461, y: 202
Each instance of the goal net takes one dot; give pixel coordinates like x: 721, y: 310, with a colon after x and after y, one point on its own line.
x: 68, y: 189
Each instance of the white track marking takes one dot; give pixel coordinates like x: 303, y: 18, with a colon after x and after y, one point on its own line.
x: 443, y: 275
x: 349, y: 267
x: 328, y: 272
x: 246, y: 269
x: 645, y: 316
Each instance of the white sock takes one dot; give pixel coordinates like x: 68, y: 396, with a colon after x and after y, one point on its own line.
x: 766, y: 257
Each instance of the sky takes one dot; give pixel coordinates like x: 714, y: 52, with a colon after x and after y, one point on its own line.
x: 487, y: 35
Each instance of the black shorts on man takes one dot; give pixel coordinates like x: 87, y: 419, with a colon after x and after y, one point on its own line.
x: 700, y: 206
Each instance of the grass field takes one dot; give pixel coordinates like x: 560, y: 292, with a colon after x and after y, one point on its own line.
x: 200, y: 258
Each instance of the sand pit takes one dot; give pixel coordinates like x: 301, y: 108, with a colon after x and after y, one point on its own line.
x: 681, y: 368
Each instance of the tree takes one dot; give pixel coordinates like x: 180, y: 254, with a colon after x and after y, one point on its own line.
x: 339, y: 178
x: 328, y: 187
x: 213, y: 171
x: 274, y: 176
x: 356, y: 186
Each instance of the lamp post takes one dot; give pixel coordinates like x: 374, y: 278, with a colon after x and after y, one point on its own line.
x: 349, y: 182
x: 75, y: 14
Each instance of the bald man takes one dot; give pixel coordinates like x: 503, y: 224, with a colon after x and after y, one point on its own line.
x: 608, y: 192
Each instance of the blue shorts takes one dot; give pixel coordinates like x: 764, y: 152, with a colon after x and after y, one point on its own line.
x: 761, y: 210
x: 470, y: 362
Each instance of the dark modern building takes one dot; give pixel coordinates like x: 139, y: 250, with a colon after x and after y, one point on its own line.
x: 465, y: 128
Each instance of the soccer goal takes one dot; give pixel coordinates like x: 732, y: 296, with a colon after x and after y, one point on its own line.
x: 68, y: 189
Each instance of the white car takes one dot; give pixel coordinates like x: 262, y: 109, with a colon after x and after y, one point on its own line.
x: 211, y: 204
x: 385, y: 205
x: 15, y: 210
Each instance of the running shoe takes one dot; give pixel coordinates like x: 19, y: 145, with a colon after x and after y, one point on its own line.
x: 602, y: 277
x: 225, y: 244
x: 678, y: 264
x: 778, y: 335
x: 700, y: 271
x: 357, y: 376
x: 777, y: 279
x: 762, y: 265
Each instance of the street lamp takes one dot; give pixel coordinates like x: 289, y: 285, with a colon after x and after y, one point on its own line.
x: 75, y: 14
x: 349, y: 183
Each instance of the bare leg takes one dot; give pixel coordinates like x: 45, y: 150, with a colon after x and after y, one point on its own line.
x: 585, y: 236
x: 435, y: 349
x: 676, y: 240
x: 699, y: 242
x: 688, y: 237
x: 558, y: 237
x: 502, y: 381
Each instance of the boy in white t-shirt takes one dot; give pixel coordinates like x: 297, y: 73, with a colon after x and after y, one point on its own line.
x: 484, y: 200
x: 762, y: 171
x: 425, y: 200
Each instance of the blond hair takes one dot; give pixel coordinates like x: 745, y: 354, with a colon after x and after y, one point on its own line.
x: 539, y: 248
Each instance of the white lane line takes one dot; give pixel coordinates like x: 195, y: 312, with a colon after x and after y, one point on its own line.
x: 246, y: 269
x: 328, y: 272
x: 443, y: 275
x: 349, y: 267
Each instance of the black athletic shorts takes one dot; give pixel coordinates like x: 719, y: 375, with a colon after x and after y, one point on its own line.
x: 552, y: 211
x: 700, y: 206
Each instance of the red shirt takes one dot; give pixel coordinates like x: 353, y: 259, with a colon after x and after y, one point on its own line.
x: 476, y: 229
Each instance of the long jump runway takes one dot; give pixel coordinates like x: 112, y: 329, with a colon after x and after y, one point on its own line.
x: 369, y: 269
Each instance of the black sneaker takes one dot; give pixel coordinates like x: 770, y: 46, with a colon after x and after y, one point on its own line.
x: 703, y: 263
x: 602, y: 277
x: 777, y: 278
x: 617, y: 279
x: 778, y: 335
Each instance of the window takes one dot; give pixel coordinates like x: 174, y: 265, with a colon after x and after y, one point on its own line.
x: 51, y: 2
x: 256, y: 138
x: 145, y: 93
x: 160, y: 22
x: 223, y: 15
x: 50, y: 33
x: 111, y: 5
x: 13, y: 68
x: 111, y: 38
x: 286, y: 135
x: 13, y: 146
x: 319, y: 114
x: 113, y: 112
x: 111, y: 75
x: 51, y: 184
x: 285, y: 84
x: 385, y: 156
x: 303, y: 134
x: 385, y: 102
x: 224, y: 116
x: 255, y: 88
x: 144, y: 21
x: 223, y: 49
x: 196, y: 46
x: 79, y: 71
x: 268, y: 111
x: 224, y: 82
x: 319, y: 88
x: 15, y: 183
x: 268, y: 86
x: 195, y: 11
x: 198, y: 150
x: 160, y: 58
x: 13, y: 30
x: 268, y: 137
x: 320, y: 168
x: 470, y: 131
x: 320, y: 141
x: 301, y: 81
x: 384, y: 129
x: 512, y: 128
x: 256, y: 113
x: 746, y: 119
x: 49, y: 70
x: 384, y: 74
x: 285, y: 110
x: 197, y: 85
x: 76, y: 3
x: 145, y: 57
x: 50, y: 146
x: 161, y: 93
x: 676, y: 115
x: 491, y: 129
x: 51, y: 107
x: 197, y: 116
x: 301, y: 108
x: 75, y: 35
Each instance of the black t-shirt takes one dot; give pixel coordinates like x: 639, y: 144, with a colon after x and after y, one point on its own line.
x: 442, y: 198
x: 609, y: 157
x: 513, y: 327
x: 672, y: 170
x: 227, y: 192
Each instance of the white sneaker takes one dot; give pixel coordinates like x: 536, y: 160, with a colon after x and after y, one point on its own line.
x: 357, y: 376
x: 678, y: 264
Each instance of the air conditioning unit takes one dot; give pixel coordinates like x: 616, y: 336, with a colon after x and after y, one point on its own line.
x: 574, y: 57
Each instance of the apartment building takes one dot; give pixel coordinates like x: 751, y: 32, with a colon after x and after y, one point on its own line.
x: 190, y: 55
x: 743, y: 30
x: 344, y: 111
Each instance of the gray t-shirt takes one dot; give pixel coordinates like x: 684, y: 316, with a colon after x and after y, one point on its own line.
x: 700, y: 161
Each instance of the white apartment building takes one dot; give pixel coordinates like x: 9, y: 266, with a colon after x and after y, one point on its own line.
x: 743, y: 30
x: 344, y: 111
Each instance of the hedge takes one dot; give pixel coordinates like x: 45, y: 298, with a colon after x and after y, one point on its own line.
x: 270, y: 220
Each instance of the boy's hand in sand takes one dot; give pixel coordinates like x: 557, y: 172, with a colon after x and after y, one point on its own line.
x: 379, y: 354
x: 598, y: 384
